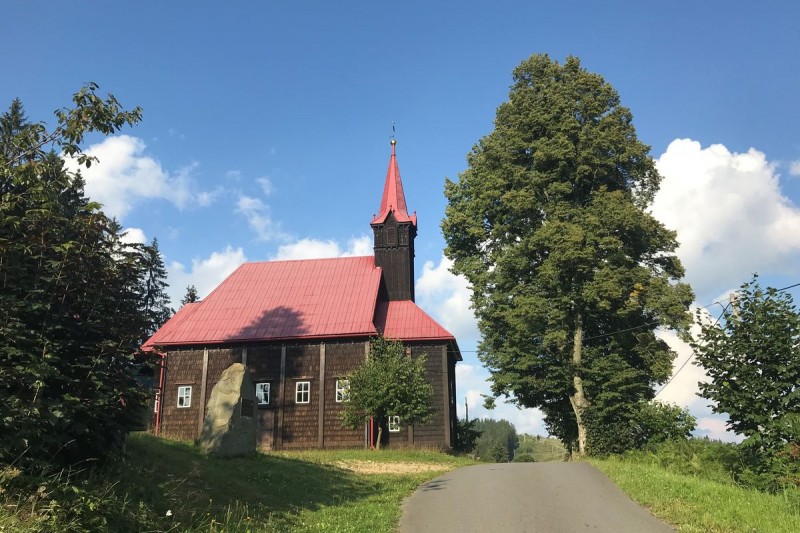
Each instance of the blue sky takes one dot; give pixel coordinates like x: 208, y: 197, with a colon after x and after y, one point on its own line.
x: 267, y: 124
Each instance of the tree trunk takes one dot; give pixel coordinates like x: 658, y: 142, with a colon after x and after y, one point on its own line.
x: 380, y: 434
x: 578, y: 398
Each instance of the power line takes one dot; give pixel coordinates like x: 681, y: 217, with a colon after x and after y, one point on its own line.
x: 656, y: 323
x: 691, y: 356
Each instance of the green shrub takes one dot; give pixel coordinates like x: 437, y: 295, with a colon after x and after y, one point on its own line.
x: 524, y: 457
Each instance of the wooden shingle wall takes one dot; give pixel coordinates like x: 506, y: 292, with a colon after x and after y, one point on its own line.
x: 284, y: 423
x: 340, y: 360
x: 432, y: 433
x: 264, y: 364
x: 184, y: 367
x: 300, y: 421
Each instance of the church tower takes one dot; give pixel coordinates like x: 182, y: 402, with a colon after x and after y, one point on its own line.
x: 395, y: 231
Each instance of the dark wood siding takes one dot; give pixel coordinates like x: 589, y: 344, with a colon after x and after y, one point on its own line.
x: 264, y: 364
x: 340, y: 360
x: 300, y: 420
x: 432, y: 433
x: 184, y: 367
x: 394, y: 253
x: 286, y: 424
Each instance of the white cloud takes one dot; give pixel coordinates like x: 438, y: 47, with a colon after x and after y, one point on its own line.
x: 124, y: 175
x: 205, y: 274
x: 318, y: 249
x: 266, y: 185
x: 794, y: 168
x: 446, y: 297
x: 259, y: 218
x: 730, y: 214
x: 715, y: 428
x: 133, y: 236
x: 683, y: 389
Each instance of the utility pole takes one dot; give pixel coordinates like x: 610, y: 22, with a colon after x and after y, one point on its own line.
x: 466, y: 411
x: 734, y: 298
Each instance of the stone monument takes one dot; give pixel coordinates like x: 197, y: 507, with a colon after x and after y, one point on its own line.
x: 230, y: 426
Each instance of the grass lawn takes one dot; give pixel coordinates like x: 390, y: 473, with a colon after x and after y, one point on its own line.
x: 698, y: 505
x: 171, y: 486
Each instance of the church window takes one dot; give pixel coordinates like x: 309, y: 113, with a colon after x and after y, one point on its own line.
x: 262, y: 393
x: 185, y: 396
x: 302, y: 392
x: 391, y: 236
x: 342, y: 390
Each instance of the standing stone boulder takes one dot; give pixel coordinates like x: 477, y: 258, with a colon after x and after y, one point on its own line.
x: 230, y: 426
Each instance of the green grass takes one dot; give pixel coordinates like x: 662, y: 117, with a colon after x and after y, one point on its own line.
x: 171, y: 486
x: 694, y: 504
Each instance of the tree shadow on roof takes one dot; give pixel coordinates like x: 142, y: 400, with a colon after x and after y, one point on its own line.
x: 277, y: 323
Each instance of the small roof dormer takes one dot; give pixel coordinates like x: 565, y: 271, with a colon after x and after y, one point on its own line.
x: 394, y: 200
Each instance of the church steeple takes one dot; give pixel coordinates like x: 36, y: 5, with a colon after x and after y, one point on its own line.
x: 395, y: 231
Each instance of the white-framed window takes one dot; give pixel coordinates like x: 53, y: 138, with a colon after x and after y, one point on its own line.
x: 185, y: 396
x: 394, y: 424
x: 302, y: 392
x: 156, y: 401
x: 262, y: 393
x: 342, y: 390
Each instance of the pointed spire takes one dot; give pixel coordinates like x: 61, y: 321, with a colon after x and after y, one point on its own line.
x: 394, y: 200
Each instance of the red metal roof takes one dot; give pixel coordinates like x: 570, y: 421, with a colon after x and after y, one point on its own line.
x: 282, y: 300
x: 177, y: 319
x: 394, y: 199
x: 405, y: 320
x: 293, y: 300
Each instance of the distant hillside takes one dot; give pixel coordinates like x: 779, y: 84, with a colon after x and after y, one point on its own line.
x: 541, y: 448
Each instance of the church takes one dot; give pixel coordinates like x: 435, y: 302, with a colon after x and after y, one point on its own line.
x: 300, y: 327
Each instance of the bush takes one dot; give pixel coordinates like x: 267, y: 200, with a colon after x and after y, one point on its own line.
x: 645, y: 424
x: 524, y: 457
x: 704, y: 458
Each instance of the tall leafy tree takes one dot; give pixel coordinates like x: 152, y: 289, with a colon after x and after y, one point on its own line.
x: 69, y: 309
x: 389, y: 383
x: 753, y: 361
x: 570, y: 274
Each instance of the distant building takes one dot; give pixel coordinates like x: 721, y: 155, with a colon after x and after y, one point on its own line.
x: 301, y: 327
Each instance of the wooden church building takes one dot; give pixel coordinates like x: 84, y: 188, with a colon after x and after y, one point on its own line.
x: 300, y: 327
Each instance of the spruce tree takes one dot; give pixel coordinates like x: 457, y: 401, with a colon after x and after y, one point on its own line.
x: 191, y: 296
x: 155, y: 301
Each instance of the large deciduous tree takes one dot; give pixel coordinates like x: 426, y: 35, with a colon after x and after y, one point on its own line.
x: 570, y: 274
x: 70, y: 318
x: 388, y: 383
x: 752, y: 359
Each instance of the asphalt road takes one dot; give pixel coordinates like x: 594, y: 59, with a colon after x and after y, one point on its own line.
x: 525, y: 497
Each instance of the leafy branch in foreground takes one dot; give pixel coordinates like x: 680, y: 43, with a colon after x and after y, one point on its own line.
x: 70, y: 293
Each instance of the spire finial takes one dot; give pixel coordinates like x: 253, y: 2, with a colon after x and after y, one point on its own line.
x: 393, y: 142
